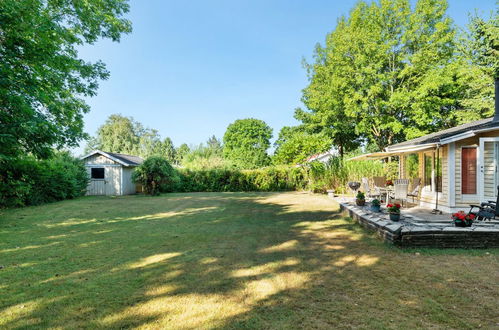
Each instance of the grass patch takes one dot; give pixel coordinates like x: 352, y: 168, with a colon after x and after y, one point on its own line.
x: 228, y: 260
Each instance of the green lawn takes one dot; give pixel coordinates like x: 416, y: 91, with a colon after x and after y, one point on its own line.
x: 227, y: 260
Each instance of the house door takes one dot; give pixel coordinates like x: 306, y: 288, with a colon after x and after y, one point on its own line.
x: 488, y: 165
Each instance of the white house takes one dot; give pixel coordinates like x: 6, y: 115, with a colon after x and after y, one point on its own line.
x: 457, y: 166
x: 110, y: 173
x: 323, y: 157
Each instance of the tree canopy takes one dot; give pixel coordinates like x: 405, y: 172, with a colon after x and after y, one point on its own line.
x: 387, y: 73
x: 294, y: 145
x: 126, y: 135
x: 42, y: 79
x: 205, y: 155
x: 246, y: 142
x: 478, y: 66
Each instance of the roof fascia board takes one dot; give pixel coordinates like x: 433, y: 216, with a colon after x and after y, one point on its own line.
x: 105, y: 154
x: 484, y: 130
x: 413, y: 147
x: 458, y: 137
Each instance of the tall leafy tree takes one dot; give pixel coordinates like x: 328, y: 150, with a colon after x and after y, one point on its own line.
x: 478, y: 67
x: 149, y: 143
x: 42, y: 79
x: 205, y: 155
x: 120, y: 134
x: 246, y: 142
x: 125, y: 135
x: 168, y: 150
x: 214, y: 145
x: 384, y: 74
x: 294, y: 145
x: 180, y: 153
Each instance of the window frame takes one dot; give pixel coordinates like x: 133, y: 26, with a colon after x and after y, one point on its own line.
x: 429, y: 187
x: 433, y: 186
x: 98, y: 168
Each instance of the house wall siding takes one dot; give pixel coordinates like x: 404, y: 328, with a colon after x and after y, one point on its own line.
x: 464, y: 200
x: 489, y: 171
x: 444, y: 150
x: 427, y: 195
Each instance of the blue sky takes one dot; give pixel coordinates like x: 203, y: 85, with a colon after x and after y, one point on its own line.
x: 190, y: 68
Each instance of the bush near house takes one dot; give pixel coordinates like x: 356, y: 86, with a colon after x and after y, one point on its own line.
x: 155, y: 174
x: 265, y: 179
x: 316, y: 176
x: 28, y: 181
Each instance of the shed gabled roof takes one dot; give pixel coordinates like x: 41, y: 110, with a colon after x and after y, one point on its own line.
x: 126, y: 160
x: 129, y: 159
x: 447, y: 135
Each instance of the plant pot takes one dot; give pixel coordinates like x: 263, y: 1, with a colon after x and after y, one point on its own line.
x: 462, y: 223
x: 395, y: 216
x: 376, y: 208
x: 360, y: 202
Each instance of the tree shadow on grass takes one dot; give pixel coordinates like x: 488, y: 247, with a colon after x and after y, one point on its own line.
x: 201, y: 260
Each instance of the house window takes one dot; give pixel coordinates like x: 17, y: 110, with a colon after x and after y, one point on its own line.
x: 433, y: 171
x: 438, y: 172
x: 468, y: 171
x: 428, y: 167
x: 97, y: 173
x: 412, y: 166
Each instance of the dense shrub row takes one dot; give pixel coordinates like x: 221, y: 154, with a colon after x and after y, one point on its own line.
x: 317, y: 177
x: 266, y: 179
x: 31, y: 182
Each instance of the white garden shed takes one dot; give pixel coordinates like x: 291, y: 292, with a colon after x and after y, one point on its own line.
x: 110, y: 173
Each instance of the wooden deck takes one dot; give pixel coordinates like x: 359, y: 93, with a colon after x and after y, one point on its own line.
x: 418, y: 227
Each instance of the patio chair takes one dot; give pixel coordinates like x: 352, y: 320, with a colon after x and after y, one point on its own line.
x: 416, y: 184
x: 400, y: 187
x: 379, y: 185
x: 367, y: 189
x: 487, y: 210
x: 379, y: 181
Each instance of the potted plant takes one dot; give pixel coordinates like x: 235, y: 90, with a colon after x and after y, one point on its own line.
x: 462, y: 219
x: 376, y: 205
x: 394, y: 210
x: 360, y: 199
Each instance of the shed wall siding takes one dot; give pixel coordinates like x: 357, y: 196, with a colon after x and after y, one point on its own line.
x: 98, y: 160
x: 109, y: 186
x: 128, y: 185
x: 113, y: 180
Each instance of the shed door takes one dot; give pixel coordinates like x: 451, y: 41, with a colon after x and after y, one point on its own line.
x: 98, y: 187
x: 97, y: 184
x: 113, y: 180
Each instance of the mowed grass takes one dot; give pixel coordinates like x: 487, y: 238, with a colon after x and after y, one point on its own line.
x: 228, y: 260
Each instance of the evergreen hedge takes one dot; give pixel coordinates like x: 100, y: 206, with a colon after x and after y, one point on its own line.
x: 28, y: 181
